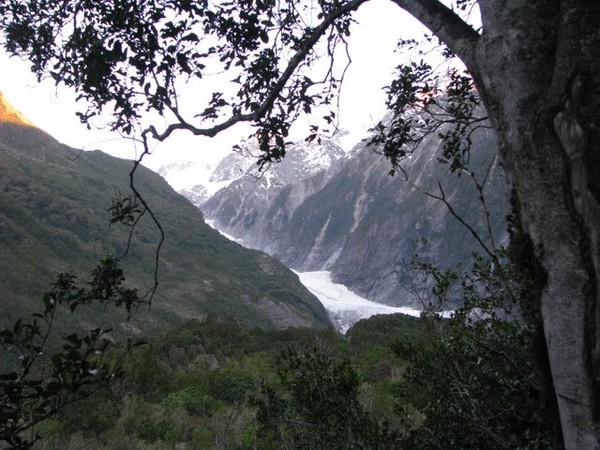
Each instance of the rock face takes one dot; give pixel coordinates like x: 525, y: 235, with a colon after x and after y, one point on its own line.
x: 388, y: 221
x: 257, y: 206
x: 350, y: 217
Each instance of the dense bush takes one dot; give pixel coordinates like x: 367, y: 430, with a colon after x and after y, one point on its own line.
x: 393, y: 382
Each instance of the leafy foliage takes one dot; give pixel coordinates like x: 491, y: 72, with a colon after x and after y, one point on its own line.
x: 200, y: 384
x: 461, y: 383
x: 130, y: 56
x: 394, y: 382
x: 319, y: 407
x: 472, y: 377
x: 423, y: 103
x: 476, y: 387
x: 32, y: 392
x: 125, y: 210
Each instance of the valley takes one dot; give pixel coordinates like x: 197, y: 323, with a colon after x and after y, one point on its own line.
x: 345, y: 308
x: 325, y: 208
x: 234, y: 339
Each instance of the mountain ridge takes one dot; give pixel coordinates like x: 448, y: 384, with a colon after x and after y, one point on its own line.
x: 364, y: 226
x: 53, y: 218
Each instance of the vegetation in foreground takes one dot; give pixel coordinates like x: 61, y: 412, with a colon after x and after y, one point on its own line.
x: 392, y: 382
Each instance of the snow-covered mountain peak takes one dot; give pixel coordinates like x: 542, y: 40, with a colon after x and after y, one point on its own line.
x: 303, y: 159
x: 195, y: 179
x: 185, y: 174
x: 232, y: 167
x: 199, y: 180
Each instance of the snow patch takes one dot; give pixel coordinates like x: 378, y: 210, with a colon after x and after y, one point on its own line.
x: 199, y: 180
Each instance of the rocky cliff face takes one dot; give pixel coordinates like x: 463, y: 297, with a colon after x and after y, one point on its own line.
x: 257, y: 206
x: 350, y: 217
x: 393, y: 219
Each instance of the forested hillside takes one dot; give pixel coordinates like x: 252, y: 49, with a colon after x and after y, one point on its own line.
x: 54, y: 218
x: 389, y: 385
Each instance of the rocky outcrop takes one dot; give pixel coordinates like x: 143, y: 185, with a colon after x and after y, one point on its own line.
x: 258, y: 206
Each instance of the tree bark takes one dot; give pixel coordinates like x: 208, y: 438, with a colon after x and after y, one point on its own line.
x: 537, y: 67
x: 538, y: 70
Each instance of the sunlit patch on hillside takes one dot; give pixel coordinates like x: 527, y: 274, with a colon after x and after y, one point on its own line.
x: 9, y: 114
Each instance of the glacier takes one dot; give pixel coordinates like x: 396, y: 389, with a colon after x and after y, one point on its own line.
x: 345, y: 308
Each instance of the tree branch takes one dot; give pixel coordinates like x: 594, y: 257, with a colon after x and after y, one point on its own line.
x: 136, y: 164
x: 275, y: 91
x: 444, y: 23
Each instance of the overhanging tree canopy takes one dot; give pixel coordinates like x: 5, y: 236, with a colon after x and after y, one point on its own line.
x: 535, y: 63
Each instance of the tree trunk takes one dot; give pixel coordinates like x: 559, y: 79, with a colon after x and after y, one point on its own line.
x: 537, y: 66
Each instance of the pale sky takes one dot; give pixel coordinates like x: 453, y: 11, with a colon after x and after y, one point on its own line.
x: 372, y: 45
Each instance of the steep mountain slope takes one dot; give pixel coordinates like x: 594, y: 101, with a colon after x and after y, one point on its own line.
x: 53, y: 218
x: 366, y: 226
x: 391, y: 221
x: 257, y: 205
